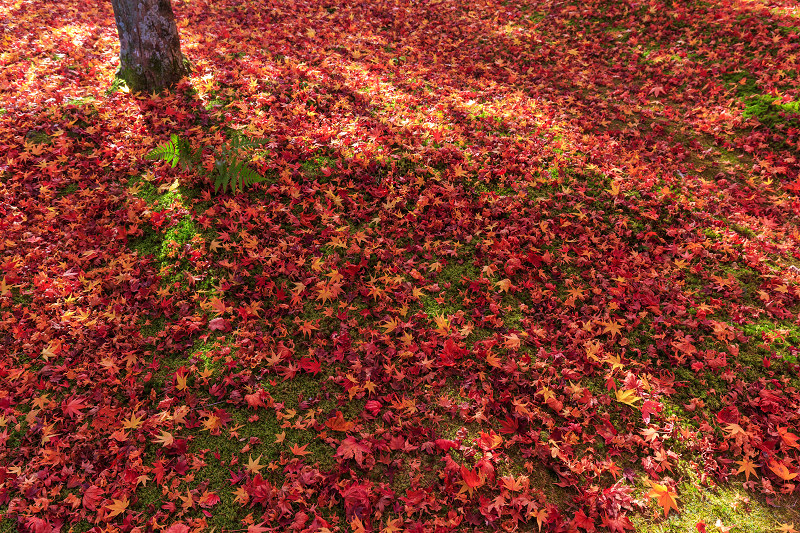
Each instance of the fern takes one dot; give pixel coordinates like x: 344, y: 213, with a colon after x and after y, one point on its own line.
x: 230, y: 171
x: 234, y: 174
x: 176, y: 152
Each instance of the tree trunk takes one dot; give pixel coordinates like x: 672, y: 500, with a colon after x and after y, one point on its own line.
x: 150, y: 56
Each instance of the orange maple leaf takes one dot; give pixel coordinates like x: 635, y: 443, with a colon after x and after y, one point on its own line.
x: 611, y: 327
x: 514, y: 484
x: 790, y: 439
x: 781, y: 470
x: 118, y: 507
x: 504, y: 284
x: 338, y: 423
x: 299, y: 450
x: 748, y: 467
x: 166, y: 438
x: 664, y: 495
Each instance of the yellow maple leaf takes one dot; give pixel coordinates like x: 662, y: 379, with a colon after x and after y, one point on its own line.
x: 627, y: 396
x: 615, y: 361
x: 390, y: 325
x: 442, y: 323
x: 4, y: 290
x: 133, y: 422
x: 504, y: 284
x: 181, y: 381
x: 118, y: 507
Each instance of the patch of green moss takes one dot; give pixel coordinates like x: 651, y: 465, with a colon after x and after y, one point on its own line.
x: 783, y: 334
x: 81, y: 101
x: 742, y: 81
x: 731, y: 505
x: 81, y: 526
x: 770, y: 113
x: 66, y: 191
x: 38, y: 138
x: 312, y: 168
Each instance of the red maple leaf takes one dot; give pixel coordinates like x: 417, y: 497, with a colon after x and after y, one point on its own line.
x: 350, y: 448
x: 72, y: 407
x: 92, y: 497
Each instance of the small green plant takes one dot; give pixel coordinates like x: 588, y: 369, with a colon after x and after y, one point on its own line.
x: 230, y: 170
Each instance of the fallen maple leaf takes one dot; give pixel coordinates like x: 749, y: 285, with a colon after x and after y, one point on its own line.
x: 165, y: 439
x: 748, y: 467
x: 299, y: 450
x: 180, y: 380
x: 73, y: 406
x: 781, y: 470
x: 178, y: 527
x: 254, y: 467
x: 627, y: 396
x: 118, y: 507
x: 722, y: 528
x: 218, y: 324
x: 504, y: 284
x: 790, y: 439
x: 338, y: 423
x: 133, y: 422
x: 514, y: 484
x: 664, y: 495
x: 350, y: 448
x: 472, y: 479
x: 91, y: 497
x: 393, y: 526
x: 257, y: 528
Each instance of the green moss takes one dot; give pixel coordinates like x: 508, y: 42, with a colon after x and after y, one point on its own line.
x: 117, y: 85
x: 38, y: 138
x: 779, y: 335
x: 151, y: 328
x: 81, y: 101
x: 66, y: 191
x: 770, y: 113
x: 731, y: 505
x: 80, y: 527
x: 743, y: 82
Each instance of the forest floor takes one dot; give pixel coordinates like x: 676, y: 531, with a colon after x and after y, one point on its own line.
x: 513, y: 266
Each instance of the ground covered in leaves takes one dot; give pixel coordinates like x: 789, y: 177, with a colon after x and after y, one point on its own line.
x: 514, y: 265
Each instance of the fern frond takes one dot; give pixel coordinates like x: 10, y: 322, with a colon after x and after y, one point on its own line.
x: 234, y: 175
x: 241, y: 142
x: 176, y: 152
x: 169, y: 151
x: 231, y: 171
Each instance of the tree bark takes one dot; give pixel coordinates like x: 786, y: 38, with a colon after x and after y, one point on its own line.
x: 150, y: 56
